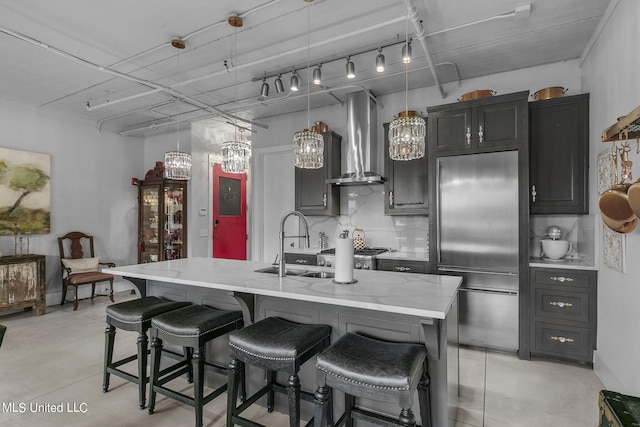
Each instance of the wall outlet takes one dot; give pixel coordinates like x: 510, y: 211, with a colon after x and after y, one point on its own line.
x: 204, y: 232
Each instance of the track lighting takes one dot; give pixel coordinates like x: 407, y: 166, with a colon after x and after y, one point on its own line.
x: 380, y: 61
x: 264, y: 90
x: 279, y: 85
x: 295, y: 82
x: 406, y: 52
x: 317, y: 75
x: 351, y: 69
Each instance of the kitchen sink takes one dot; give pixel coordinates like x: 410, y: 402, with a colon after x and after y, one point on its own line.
x: 295, y: 272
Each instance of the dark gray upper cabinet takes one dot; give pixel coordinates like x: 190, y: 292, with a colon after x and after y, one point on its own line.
x: 559, y: 156
x: 482, y: 124
x: 313, y: 195
x: 405, y: 187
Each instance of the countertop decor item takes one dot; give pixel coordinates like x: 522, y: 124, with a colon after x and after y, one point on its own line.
x: 344, y: 258
x: 358, y: 239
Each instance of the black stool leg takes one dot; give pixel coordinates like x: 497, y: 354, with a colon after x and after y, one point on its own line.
x: 188, y: 355
x: 143, y: 345
x: 234, y: 374
x: 271, y: 379
x: 293, y: 393
x: 425, y: 401
x: 407, y: 418
x: 349, y: 402
x: 109, y: 338
x: 156, y: 350
x: 321, y: 403
x: 198, y: 383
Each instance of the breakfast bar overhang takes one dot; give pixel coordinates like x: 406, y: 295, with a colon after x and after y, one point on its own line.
x: 388, y: 305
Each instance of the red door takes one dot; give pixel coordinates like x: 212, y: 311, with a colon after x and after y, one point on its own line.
x: 229, y: 214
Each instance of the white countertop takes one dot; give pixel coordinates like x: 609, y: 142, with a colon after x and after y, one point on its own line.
x: 422, y: 295
x: 568, y: 264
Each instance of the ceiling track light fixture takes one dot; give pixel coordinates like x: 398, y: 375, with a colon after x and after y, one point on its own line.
x: 351, y: 69
x: 295, y: 82
x: 380, y: 61
x: 237, y: 152
x: 264, y: 90
x: 177, y: 164
x: 406, y: 52
x: 408, y: 130
x: 317, y: 75
x: 278, y: 84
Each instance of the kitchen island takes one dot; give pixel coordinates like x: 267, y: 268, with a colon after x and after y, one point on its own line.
x: 395, y: 306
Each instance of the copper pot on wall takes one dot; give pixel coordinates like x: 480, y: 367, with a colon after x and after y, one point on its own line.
x: 549, y: 93
x: 614, y: 203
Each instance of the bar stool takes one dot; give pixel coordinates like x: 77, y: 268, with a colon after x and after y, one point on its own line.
x: 273, y: 344
x: 134, y: 315
x: 368, y: 368
x: 190, y: 327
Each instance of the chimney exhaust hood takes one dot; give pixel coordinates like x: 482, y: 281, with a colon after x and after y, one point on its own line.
x: 360, y: 149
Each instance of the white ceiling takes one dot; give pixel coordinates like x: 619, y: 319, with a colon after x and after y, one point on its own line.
x: 116, y: 56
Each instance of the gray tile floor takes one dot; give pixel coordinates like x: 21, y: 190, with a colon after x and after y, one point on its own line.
x: 54, y: 362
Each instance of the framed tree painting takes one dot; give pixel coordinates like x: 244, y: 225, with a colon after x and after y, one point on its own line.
x: 25, y: 192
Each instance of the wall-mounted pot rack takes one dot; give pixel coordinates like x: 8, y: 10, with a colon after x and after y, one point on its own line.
x: 627, y: 127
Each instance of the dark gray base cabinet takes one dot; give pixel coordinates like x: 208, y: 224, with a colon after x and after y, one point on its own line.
x: 563, y: 314
x: 313, y: 195
x: 405, y: 187
x: 403, y: 266
x: 559, y: 155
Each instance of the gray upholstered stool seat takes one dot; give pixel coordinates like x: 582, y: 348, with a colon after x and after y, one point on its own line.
x: 191, y: 327
x: 368, y: 368
x: 273, y: 344
x: 134, y: 315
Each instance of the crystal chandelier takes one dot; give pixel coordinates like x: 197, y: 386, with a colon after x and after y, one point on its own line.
x: 408, y: 130
x: 308, y: 145
x: 308, y: 149
x: 236, y: 154
x: 177, y: 164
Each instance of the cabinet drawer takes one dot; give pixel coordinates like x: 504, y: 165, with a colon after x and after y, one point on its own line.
x: 552, y: 303
x: 561, y: 340
x: 559, y: 277
x: 303, y: 259
x: 402, y: 266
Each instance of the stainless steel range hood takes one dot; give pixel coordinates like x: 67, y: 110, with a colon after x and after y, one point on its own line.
x: 360, y: 149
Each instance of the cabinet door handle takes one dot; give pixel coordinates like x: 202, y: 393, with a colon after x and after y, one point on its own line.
x: 480, y: 135
x: 561, y: 279
x: 562, y: 339
x: 401, y: 268
x: 390, y: 198
x: 324, y: 200
x: 561, y: 304
x: 301, y: 261
x: 468, y: 135
x: 533, y: 193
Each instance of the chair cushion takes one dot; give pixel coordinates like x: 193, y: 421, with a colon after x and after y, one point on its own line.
x: 81, y: 265
x: 273, y: 343
x: 141, y: 310
x: 194, y: 320
x: 365, y: 362
x: 89, y: 277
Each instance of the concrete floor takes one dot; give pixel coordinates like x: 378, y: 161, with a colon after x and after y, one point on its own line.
x: 55, y: 361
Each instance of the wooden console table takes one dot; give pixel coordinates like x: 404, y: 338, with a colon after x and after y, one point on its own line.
x: 23, y: 283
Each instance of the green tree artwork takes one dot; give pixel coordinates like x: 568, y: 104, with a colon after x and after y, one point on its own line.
x: 25, y: 199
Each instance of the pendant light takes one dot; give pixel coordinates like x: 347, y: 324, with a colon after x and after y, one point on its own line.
x: 237, y: 152
x: 308, y: 146
x: 408, y: 130
x: 177, y: 164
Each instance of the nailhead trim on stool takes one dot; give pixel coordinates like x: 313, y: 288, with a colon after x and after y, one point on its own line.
x: 368, y: 368
x: 273, y: 344
x: 134, y: 315
x: 192, y: 328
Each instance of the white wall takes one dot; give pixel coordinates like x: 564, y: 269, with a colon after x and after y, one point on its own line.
x: 610, y: 73
x: 91, y: 187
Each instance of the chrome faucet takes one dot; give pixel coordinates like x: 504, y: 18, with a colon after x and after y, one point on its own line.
x: 281, y: 268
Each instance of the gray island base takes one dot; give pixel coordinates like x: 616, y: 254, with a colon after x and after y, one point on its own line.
x: 387, y: 305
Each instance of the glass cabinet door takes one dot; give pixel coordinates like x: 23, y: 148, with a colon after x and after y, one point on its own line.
x: 149, y: 240
x: 173, y: 214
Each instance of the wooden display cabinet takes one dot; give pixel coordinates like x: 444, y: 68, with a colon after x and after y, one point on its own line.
x: 22, y: 283
x: 162, y: 220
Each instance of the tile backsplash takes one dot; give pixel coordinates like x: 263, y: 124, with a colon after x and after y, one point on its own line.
x: 362, y: 206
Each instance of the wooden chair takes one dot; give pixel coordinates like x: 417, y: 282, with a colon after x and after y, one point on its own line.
x: 78, y: 269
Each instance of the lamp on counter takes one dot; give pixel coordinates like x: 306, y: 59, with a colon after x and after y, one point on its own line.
x: 177, y: 164
x: 308, y: 145
x: 408, y: 130
x: 237, y: 152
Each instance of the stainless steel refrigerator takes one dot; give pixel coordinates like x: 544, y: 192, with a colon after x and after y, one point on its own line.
x: 477, y: 238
